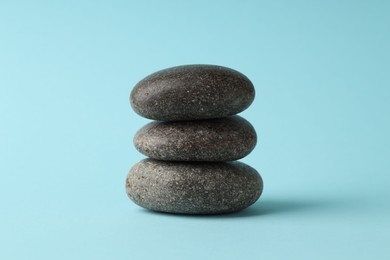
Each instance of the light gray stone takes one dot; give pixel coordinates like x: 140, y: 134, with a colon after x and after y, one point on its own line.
x: 222, y: 139
x: 193, y: 187
x: 192, y: 92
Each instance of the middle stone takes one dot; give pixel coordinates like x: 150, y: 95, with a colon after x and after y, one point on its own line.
x: 222, y: 139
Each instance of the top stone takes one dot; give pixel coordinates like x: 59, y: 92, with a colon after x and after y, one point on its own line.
x: 192, y: 92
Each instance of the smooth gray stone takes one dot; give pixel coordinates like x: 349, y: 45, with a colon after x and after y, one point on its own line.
x: 193, y: 187
x: 222, y: 139
x: 192, y: 92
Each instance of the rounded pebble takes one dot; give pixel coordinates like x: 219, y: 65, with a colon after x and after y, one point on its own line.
x: 193, y: 187
x: 192, y: 92
x: 222, y: 139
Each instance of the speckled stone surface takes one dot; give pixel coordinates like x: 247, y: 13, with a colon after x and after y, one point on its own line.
x: 193, y: 187
x: 222, y: 139
x: 192, y: 92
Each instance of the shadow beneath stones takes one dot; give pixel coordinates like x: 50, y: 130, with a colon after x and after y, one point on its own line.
x: 268, y: 207
x: 280, y: 207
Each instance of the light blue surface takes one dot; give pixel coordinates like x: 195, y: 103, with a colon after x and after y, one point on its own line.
x: 321, y: 71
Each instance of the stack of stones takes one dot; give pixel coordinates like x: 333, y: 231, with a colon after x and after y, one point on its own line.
x: 193, y: 146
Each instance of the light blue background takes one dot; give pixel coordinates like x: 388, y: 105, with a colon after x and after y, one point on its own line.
x: 321, y: 71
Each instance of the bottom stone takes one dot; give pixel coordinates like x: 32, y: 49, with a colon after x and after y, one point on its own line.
x: 193, y: 187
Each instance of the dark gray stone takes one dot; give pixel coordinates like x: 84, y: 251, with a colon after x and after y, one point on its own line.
x: 193, y: 187
x: 222, y: 139
x: 192, y: 92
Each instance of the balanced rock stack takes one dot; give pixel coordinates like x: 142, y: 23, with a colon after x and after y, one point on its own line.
x: 193, y: 146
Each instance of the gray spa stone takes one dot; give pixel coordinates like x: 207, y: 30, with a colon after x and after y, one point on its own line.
x: 193, y: 187
x: 222, y: 139
x: 192, y: 92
